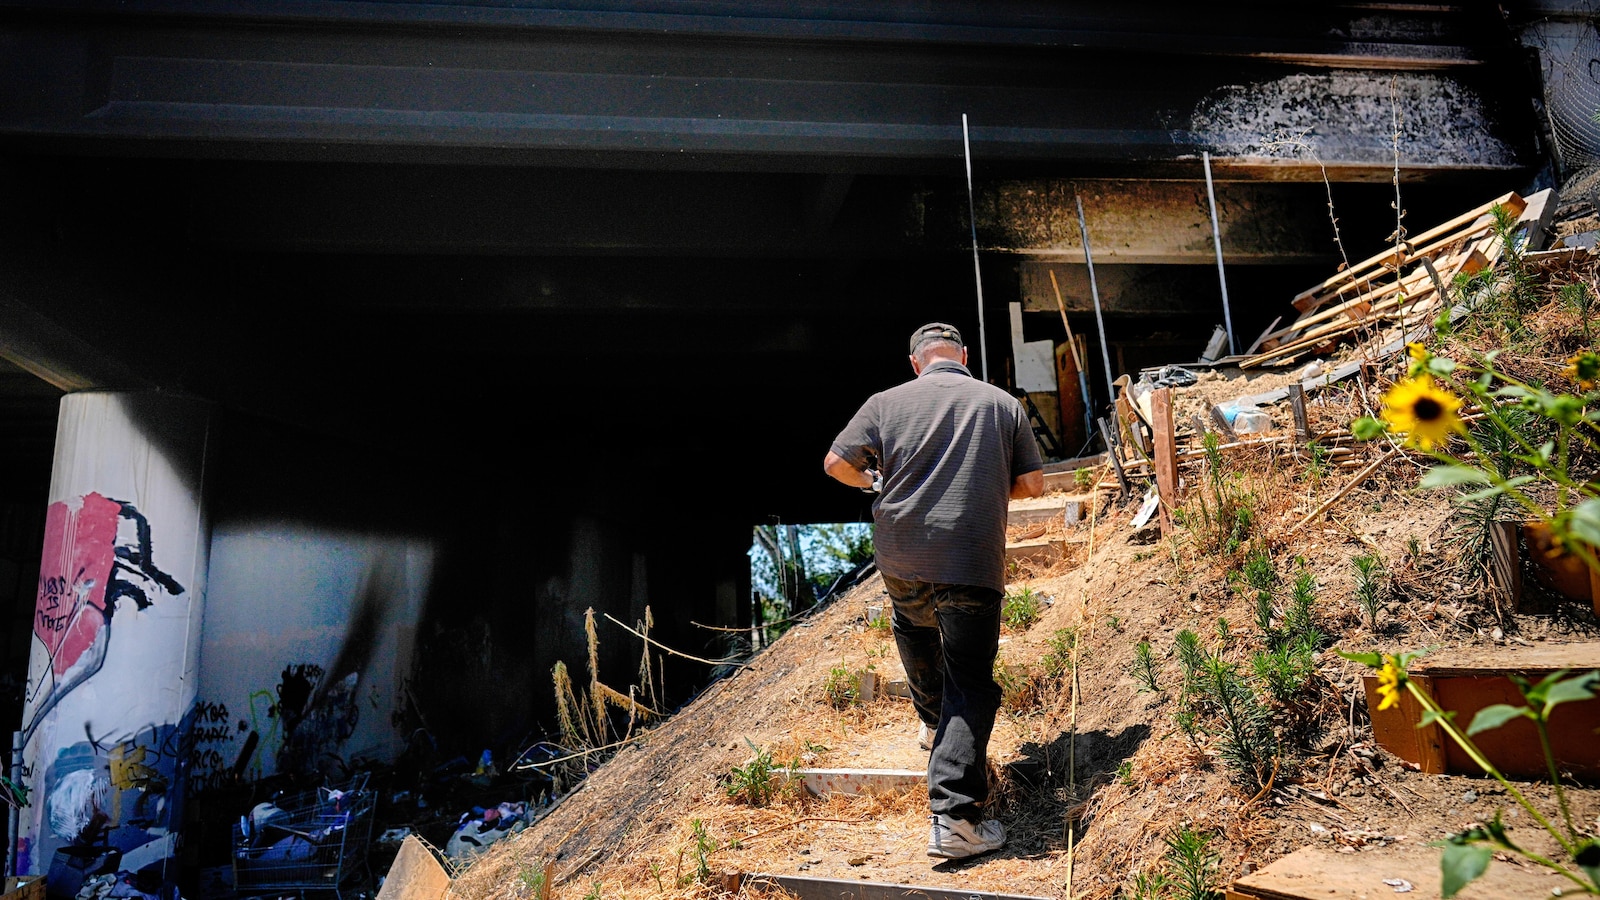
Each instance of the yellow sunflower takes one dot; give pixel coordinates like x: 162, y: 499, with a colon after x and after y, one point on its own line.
x: 1584, y: 369
x: 1389, y: 680
x: 1425, y: 413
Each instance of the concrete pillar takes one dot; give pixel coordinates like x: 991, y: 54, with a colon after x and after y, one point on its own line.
x: 113, y: 666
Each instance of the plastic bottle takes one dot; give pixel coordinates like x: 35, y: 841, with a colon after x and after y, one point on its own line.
x: 1251, y: 421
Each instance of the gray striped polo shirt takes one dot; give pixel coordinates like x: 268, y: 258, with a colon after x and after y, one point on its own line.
x: 949, y: 447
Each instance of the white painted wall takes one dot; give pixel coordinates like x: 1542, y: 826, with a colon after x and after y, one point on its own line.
x: 284, y: 597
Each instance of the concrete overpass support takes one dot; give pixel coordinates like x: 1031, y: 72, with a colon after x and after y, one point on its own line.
x: 112, y: 672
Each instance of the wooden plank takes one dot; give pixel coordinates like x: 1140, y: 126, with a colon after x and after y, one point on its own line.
x: 860, y: 782
x: 415, y: 874
x: 1506, y: 563
x: 1322, y: 873
x: 1395, y: 729
x: 1222, y: 426
x: 1114, y: 454
x: 1511, y: 201
x: 1533, y: 661
x: 1166, y: 454
x: 1514, y: 747
x: 1042, y: 550
x: 1297, y: 403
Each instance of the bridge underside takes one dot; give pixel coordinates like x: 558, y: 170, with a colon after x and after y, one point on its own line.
x: 638, y: 229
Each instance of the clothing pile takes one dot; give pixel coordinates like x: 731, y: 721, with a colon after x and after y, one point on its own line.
x: 482, y: 826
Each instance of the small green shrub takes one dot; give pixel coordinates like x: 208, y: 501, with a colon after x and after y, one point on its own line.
x: 1020, y: 610
x: 757, y: 782
x: 1369, y: 588
x: 1144, y: 667
x: 1246, y: 741
x: 842, y: 688
x: 1057, y: 661
x: 1191, y: 865
x: 1287, y: 670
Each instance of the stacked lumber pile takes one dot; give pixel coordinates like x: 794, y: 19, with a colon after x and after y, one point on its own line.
x: 1403, y: 286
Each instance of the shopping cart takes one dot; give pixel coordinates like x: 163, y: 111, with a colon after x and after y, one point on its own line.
x: 311, y: 841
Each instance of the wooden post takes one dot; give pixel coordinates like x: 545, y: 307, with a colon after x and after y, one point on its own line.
x: 1297, y: 401
x: 1505, y: 539
x: 1222, y: 426
x: 1166, y: 454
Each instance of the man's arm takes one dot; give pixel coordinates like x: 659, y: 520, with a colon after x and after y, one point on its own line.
x: 842, y: 471
x: 1028, y: 485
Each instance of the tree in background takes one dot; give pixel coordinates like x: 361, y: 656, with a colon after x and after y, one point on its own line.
x: 793, y: 566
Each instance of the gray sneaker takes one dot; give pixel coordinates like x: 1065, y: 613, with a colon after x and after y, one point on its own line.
x: 951, y: 838
x: 924, y: 736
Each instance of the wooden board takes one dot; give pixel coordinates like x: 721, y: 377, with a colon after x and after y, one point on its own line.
x: 1166, y: 454
x: 839, y: 889
x: 1467, y: 680
x: 1315, y: 873
x: 415, y: 874
x: 1534, y: 661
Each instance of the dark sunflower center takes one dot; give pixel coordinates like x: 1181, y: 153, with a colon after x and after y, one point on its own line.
x: 1427, y: 409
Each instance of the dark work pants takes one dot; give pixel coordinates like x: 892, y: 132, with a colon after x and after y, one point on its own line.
x: 948, y: 635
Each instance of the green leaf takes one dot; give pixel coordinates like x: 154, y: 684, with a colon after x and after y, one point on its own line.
x: 1441, y: 366
x: 1366, y: 428
x: 1450, y: 473
x: 1430, y: 716
x: 1460, y: 864
x: 1578, y: 687
x: 1585, y: 523
x: 1370, y: 660
x: 1495, y: 716
x: 1484, y: 494
x: 1588, y: 859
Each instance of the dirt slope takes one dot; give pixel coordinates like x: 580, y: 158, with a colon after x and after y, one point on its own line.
x: 1135, y: 778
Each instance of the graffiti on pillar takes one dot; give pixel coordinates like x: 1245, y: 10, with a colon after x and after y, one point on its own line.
x: 112, y: 793
x: 98, y: 553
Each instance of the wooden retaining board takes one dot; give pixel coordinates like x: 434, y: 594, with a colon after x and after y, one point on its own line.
x: 1316, y: 873
x: 1470, y: 679
x: 822, y: 782
x: 841, y: 889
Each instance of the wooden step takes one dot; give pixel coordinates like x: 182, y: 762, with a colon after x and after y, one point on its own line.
x: 1317, y: 873
x: 805, y: 888
x: 1469, y: 679
x: 1048, y: 507
x: 1039, y: 550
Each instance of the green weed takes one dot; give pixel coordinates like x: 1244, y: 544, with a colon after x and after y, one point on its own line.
x: 842, y: 688
x: 1057, y: 661
x: 1020, y: 610
x: 1191, y: 864
x: 1246, y: 743
x: 757, y: 782
x: 1369, y: 588
x: 1144, y: 667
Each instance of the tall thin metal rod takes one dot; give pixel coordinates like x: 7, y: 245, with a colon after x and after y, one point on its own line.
x: 972, y: 219
x: 13, y: 816
x: 1216, y: 238
x: 1094, y: 291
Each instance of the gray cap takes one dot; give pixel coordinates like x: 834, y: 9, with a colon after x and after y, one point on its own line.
x: 935, y: 331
